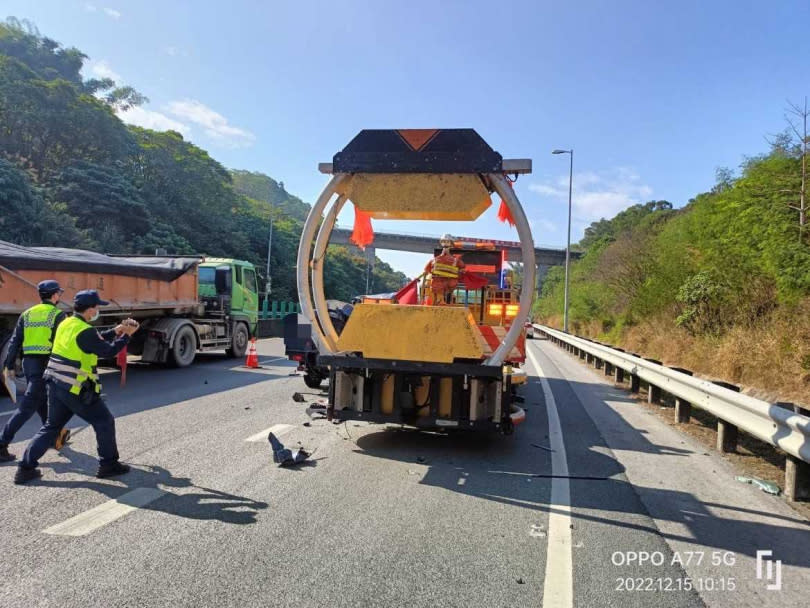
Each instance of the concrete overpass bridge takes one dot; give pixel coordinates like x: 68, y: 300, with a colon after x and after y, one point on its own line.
x: 545, y: 257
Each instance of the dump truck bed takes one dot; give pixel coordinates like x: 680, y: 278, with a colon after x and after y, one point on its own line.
x: 137, y: 283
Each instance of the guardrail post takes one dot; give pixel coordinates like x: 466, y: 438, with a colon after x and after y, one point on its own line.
x: 797, y: 472
x: 797, y: 479
x: 653, y: 392
x: 597, y: 363
x: 727, y: 433
x: 618, y: 375
x: 635, y: 383
x: 683, y: 409
x: 582, y: 354
x: 608, y: 369
x: 588, y: 358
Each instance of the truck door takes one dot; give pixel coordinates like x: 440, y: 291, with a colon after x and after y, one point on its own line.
x: 251, y: 295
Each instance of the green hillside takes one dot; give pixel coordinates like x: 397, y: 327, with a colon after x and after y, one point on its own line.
x: 721, y: 286
x: 73, y: 174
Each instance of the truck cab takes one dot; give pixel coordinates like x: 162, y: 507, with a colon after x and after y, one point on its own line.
x: 226, y: 317
x: 230, y: 287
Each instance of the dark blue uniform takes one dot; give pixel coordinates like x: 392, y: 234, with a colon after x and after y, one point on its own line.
x: 35, y: 399
x: 62, y: 404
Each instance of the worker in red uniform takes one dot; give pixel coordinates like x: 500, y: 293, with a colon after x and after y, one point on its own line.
x: 444, y: 270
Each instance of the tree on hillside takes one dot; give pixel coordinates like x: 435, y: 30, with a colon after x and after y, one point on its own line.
x: 798, y: 124
x: 27, y: 219
x: 45, y: 124
x: 105, y: 204
x: 624, y: 221
x: 261, y: 187
x: 45, y: 57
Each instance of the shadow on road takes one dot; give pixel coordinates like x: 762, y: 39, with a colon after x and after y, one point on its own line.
x: 150, y: 386
x: 196, y: 503
x: 514, y: 471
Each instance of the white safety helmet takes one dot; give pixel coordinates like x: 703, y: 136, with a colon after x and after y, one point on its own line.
x: 446, y: 240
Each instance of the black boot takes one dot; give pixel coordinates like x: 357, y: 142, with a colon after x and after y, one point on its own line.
x: 111, y: 470
x: 25, y: 475
x: 5, y: 455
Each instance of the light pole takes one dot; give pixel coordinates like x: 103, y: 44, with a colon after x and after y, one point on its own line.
x: 269, y: 247
x: 568, y: 244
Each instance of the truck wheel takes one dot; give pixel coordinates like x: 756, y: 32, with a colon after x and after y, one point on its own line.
x: 313, y: 379
x: 239, y: 341
x: 185, y: 347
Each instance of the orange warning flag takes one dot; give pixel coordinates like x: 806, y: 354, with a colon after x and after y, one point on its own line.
x: 363, y: 233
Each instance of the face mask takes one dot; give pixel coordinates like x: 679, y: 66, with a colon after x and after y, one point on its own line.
x: 95, y: 316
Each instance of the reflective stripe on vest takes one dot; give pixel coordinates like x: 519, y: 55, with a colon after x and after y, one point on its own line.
x: 37, y: 329
x: 445, y: 270
x: 69, y: 366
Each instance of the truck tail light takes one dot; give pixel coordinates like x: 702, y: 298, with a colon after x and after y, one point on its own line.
x: 297, y: 357
x: 512, y: 310
x: 495, y: 309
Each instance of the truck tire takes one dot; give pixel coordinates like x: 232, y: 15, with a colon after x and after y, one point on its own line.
x: 313, y: 379
x: 184, y: 348
x: 239, y: 341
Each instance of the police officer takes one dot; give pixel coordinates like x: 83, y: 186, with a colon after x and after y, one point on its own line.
x: 74, y: 386
x: 33, y: 335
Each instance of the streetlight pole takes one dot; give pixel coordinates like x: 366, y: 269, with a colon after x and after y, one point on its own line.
x: 568, y: 243
x: 269, y: 247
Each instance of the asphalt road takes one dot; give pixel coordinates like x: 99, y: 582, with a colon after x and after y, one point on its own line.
x: 388, y: 517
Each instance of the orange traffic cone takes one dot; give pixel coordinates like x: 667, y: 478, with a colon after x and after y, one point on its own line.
x: 252, y: 359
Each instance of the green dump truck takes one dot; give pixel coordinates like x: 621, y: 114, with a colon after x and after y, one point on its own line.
x: 185, y: 304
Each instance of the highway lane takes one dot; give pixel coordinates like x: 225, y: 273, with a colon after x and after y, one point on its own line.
x: 381, y: 517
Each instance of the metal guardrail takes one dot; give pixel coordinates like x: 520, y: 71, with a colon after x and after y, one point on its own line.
x: 274, y: 309
x: 777, y: 424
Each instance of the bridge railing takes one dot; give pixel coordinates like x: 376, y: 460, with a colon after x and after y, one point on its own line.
x: 782, y: 425
x: 277, y: 309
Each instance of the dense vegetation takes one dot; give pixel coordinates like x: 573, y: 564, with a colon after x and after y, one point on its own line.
x: 73, y: 174
x: 722, y: 285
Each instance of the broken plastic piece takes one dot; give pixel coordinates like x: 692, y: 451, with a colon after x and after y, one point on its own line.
x: 284, y: 457
x: 765, y: 486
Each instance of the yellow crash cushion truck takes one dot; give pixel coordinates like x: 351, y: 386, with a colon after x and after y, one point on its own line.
x: 424, y: 366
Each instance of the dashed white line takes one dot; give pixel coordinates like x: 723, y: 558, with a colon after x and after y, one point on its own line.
x: 558, y: 587
x: 276, y: 429
x: 99, y: 516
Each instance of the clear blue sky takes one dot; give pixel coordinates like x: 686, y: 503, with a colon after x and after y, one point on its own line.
x: 652, y: 96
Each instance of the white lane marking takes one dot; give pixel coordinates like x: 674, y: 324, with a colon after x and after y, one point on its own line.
x: 7, y: 413
x: 271, y: 360
x: 462, y: 481
x: 558, y: 587
x: 99, y: 516
x: 276, y: 429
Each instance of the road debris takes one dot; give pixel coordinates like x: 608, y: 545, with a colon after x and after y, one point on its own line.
x: 284, y: 457
x: 765, y: 486
x: 298, y: 398
x: 537, y: 531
